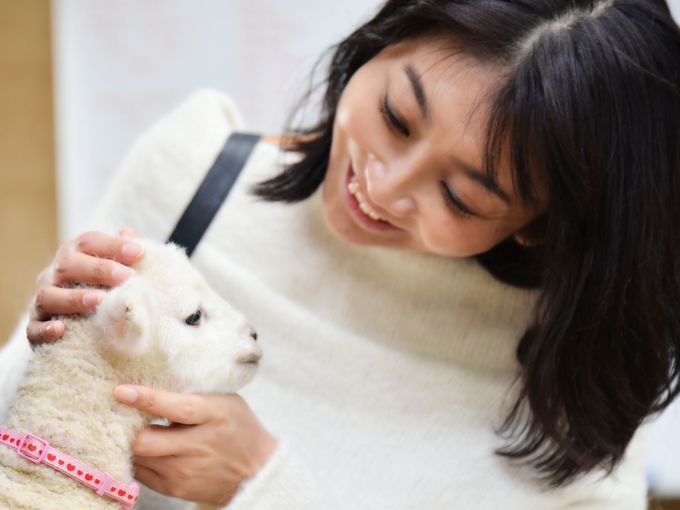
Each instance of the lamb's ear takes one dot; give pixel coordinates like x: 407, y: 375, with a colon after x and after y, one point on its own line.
x: 128, y: 315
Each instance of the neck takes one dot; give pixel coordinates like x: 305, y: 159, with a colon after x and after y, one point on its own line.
x: 66, y: 398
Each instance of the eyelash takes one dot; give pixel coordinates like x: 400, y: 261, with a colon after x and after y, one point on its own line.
x: 456, y: 205
x: 393, y: 121
x: 449, y: 198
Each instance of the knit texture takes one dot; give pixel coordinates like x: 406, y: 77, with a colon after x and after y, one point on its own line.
x: 385, y: 371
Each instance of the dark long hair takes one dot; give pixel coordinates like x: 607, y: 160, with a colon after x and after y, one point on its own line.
x: 590, y: 100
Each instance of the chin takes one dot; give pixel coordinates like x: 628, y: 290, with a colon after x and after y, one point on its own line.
x: 345, y: 230
x: 224, y: 382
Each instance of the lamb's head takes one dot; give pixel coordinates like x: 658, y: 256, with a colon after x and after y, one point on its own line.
x: 165, y: 327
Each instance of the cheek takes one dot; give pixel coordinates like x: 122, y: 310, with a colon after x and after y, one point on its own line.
x: 458, y: 237
x: 357, y: 116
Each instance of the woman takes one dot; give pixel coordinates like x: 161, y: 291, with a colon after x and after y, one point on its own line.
x: 496, y: 182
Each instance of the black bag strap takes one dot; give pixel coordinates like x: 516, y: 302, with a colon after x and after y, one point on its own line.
x: 213, y: 190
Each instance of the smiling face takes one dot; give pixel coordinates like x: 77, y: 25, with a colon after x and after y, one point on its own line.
x: 407, y: 148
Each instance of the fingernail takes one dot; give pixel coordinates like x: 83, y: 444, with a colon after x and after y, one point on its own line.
x: 92, y: 297
x: 132, y: 249
x: 51, y: 330
x: 126, y: 394
x: 121, y: 273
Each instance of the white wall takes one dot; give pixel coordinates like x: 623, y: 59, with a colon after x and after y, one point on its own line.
x: 675, y: 8
x: 120, y: 65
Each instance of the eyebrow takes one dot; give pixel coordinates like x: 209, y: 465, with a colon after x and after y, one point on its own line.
x: 474, y: 174
x: 418, y: 90
x: 484, y: 179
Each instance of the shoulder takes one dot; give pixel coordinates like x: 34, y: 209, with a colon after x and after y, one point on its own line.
x: 286, y: 141
x: 204, y: 112
x: 160, y: 172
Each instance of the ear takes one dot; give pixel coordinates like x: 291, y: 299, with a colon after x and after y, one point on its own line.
x: 128, y: 315
x: 533, y: 233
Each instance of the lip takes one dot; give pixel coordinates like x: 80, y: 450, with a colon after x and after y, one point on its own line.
x: 361, y: 215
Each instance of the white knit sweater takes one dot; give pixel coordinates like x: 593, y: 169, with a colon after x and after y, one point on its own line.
x: 384, y: 372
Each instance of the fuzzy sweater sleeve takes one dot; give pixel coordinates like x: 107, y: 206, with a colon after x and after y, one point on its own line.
x: 283, y: 483
x: 14, y: 357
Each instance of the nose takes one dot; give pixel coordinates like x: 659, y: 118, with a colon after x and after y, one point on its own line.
x: 253, y: 355
x: 245, y: 329
x: 388, y: 187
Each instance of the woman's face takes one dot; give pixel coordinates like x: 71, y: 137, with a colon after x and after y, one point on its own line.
x: 421, y: 178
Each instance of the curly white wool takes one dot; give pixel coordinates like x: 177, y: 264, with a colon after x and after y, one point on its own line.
x: 146, y: 331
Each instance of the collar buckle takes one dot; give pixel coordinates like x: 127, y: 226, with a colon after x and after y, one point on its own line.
x: 29, y: 452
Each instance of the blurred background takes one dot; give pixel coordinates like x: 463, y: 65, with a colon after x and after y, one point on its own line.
x: 81, y: 79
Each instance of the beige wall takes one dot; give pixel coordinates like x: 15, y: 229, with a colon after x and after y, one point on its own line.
x: 28, y: 220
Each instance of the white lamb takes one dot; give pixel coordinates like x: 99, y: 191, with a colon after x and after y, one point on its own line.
x: 165, y: 328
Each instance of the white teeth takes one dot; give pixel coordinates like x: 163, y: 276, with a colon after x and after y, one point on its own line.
x: 353, y: 188
x: 374, y: 216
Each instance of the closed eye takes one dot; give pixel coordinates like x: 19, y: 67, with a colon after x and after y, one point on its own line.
x: 391, y: 118
x: 454, y: 203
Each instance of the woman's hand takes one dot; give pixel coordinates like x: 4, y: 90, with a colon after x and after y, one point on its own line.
x: 214, y: 443
x: 91, y: 258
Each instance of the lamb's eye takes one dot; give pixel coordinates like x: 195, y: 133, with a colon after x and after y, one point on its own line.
x: 194, y: 318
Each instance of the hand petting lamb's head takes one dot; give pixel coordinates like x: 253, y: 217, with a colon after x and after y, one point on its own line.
x: 166, y: 327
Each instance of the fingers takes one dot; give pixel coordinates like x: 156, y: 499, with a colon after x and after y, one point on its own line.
x: 49, y: 301
x: 44, y: 332
x: 159, y: 441
x: 178, y: 407
x: 82, y: 268
x: 45, y: 277
x: 94, y: 258
x: 101, y: 244
x: 150, y: 478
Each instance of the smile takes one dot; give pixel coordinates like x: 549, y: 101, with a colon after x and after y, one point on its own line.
x: 353, y: 188
x: 360, y: 207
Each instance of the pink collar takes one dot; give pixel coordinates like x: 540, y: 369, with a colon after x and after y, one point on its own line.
x: 103, y: 483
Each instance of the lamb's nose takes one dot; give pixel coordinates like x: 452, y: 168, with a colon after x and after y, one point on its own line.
x: 252, y: 357
x: 247, y: 329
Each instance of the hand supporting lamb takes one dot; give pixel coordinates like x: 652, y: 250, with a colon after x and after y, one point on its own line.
x: 214, y: 444
x: 94, y: 258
